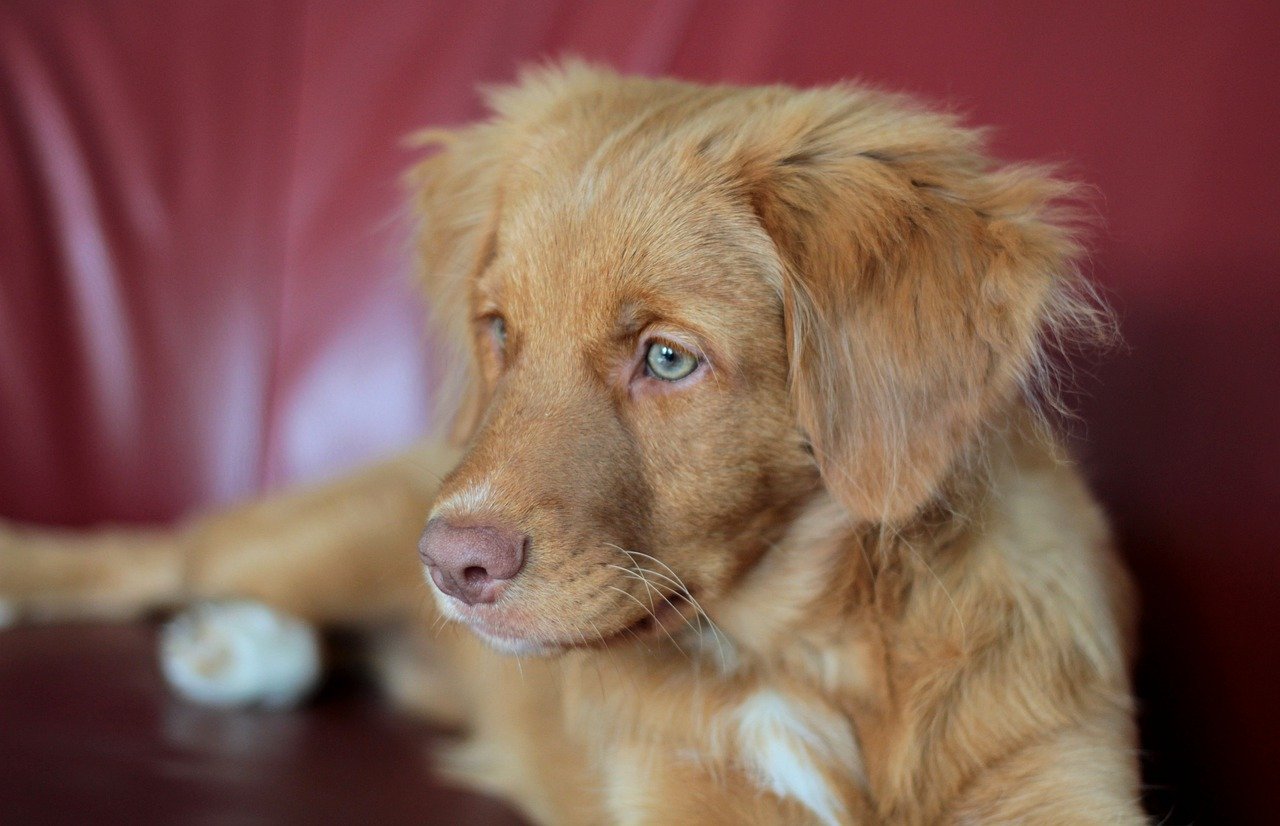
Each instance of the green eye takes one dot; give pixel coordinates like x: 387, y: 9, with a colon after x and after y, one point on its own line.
x: 669, y: 363
x: 498, y: 326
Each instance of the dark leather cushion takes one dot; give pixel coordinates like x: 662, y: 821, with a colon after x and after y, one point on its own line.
x: 88, y: 731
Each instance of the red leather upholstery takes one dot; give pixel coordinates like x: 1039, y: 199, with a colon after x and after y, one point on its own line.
x: 203, y: 275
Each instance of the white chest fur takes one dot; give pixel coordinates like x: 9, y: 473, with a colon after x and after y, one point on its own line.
x: 797, y: 750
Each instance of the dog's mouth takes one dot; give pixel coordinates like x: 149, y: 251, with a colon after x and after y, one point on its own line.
x: 663, y: 618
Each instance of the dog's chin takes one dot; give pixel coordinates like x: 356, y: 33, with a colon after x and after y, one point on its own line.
x: 516, y: 646
x: 497, y: 628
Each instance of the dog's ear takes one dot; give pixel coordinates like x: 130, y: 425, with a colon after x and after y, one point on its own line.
x: 456, y: 194
x: 919, y: 285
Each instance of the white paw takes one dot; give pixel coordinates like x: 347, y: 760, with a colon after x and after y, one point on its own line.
x: 240, y: 654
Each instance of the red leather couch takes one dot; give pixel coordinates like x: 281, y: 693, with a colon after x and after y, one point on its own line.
x: 204, y: 293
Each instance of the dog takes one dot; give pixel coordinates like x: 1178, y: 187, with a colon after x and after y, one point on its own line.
x: 751, y: 512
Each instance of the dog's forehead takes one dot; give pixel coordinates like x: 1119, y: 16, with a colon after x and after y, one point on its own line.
x: 593, y: 243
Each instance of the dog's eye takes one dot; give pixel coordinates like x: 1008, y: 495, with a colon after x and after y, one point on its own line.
x: 667, y: 362
x: 498, y: 327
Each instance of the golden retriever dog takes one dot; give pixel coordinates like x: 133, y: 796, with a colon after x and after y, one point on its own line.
x: 754, y: 514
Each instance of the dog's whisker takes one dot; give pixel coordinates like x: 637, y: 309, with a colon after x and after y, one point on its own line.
x: 420, y: 464
x: 721, y: 638
x: 608, y: 649
x: 652, y: 616
x: 649, y: 587
x: 595, y: 661
x: 699, y: 614
x: 679, y: 589
x: 631, y: 597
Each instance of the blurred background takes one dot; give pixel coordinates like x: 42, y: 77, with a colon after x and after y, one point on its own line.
x: 204, y: 294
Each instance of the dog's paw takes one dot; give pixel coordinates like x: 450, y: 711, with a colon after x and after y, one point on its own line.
x: 240, y: 654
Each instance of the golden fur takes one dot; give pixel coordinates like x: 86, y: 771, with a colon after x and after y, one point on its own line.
x: 842, y: 574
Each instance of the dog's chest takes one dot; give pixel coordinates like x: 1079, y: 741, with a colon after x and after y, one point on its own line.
x: 780, y: 739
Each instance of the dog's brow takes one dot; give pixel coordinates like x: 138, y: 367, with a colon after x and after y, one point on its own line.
x: 633, y: 316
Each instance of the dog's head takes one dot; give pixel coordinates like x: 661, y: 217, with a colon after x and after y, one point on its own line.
x: 690, y: 311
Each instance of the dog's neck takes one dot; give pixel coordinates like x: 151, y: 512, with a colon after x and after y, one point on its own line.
x: 796, y: 576
x: 819, y: 603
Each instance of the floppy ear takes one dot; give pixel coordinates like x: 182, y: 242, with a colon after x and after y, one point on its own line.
x: 918, y: 283
x: 456, y: 195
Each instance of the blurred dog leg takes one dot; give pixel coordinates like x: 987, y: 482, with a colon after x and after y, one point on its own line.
x: 54, y: 574
x: 336, y: 553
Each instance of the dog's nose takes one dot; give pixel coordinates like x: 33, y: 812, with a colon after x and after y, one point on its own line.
x: 470, y: 562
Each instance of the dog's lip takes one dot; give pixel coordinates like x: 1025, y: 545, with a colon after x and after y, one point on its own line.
x: 668, y: 616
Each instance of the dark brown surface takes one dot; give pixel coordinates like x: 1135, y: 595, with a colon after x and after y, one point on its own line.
x: 89, y: 733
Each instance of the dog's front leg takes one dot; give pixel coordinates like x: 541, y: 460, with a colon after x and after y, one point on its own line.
x: 55, y: 574
x: 341, y: 552
x: 338, y: 553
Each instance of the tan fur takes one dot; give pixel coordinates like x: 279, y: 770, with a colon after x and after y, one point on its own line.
x: 842, y: 575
